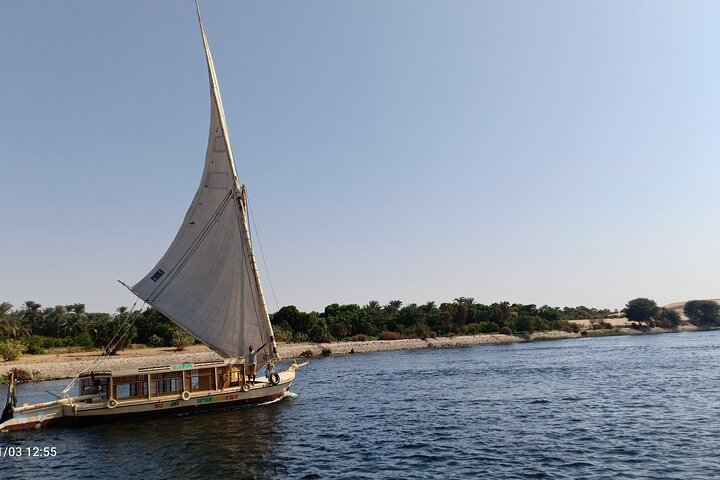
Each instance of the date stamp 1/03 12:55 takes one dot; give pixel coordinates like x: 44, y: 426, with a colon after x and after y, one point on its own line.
x: 27, y: 452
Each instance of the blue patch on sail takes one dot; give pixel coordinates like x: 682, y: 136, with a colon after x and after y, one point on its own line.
x: 157, y: 275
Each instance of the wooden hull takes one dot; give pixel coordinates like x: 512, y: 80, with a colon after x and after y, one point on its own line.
x: 74, y: 410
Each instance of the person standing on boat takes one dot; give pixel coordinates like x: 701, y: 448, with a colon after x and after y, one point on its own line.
x: 251, y: 363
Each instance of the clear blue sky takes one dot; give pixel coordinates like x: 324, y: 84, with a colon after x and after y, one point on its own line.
x: 537, y: 152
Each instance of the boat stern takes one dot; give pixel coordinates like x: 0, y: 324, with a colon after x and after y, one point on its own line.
x: 32, y: 417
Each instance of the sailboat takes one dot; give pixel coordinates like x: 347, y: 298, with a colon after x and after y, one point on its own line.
x: 208, y: 283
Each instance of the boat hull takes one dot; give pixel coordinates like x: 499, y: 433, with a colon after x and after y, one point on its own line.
x: 67, y: 411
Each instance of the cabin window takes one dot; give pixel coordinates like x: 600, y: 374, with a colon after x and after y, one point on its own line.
x: 93, y: 385
x: 130, y: 386
x: 202, y: 379
x: 166, y: 383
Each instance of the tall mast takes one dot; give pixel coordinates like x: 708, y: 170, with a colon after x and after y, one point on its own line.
x: 240, y: 192
x: 217, y: 99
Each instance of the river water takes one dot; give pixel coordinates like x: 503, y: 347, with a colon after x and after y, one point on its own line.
x: 641, y: 406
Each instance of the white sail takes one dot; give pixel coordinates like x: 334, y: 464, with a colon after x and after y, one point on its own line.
x: 207, y: 281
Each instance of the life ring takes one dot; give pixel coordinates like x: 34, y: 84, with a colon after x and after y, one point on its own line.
x: 112, y: 403
x: 186, y: 395
x: 274, y: 378
x: 245, y: 387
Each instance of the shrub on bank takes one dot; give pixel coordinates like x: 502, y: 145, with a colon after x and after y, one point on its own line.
x: 300, y: 337
x: 385, y: 335
x: 34, y: 344
x: 572, y: 327
x: 57, y: 342
x: 11, y: 349
x: 524, y: 324
x: 182, y: 339
x: 481, y: 327
x: 84, y: 341
x: 21, y: 376
x: 667, y: 318
x: 420, y: 331
x: 488, y: 327
x: 282, y: 334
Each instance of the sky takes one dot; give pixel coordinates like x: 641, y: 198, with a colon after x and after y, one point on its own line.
x: 558, y: 152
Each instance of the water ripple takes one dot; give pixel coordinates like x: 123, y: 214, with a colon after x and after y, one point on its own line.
x: 608, y: 408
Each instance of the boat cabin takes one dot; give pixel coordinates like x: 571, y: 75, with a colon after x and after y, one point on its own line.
x: 157, y: 382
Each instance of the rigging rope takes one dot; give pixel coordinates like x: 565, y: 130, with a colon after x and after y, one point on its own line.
x: 262, y: 254
x: 122, y: 330
x: 46, y: 391
x: 248, y: 258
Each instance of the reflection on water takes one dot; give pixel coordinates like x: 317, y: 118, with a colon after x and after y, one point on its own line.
x: 217, y: 444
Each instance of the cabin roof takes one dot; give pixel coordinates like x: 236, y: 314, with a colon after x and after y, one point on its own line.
x: 164, y: 368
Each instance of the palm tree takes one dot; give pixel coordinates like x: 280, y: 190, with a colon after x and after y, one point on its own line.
x: 373, y: 305
x: 461, y: 312
x: 121, y: 324
x: 393, y: 306
x: 33, y: 317
x: 9, y: 321
x: 429, y: 307
x: 467, y: 301
x: 56, y: 320
x: 74, y: 322
x: 78, y: 309
x: 501, y: 312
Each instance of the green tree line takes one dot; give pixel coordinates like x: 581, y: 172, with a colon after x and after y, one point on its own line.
x: 39, y: 328
x: 395, y: 320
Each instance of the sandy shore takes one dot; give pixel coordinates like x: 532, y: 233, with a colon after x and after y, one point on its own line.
x: 67, y: 365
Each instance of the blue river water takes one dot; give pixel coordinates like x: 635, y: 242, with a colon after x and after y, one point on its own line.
x: 641, y: 407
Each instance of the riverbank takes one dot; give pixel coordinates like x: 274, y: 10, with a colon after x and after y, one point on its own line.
x: 67, y: 365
